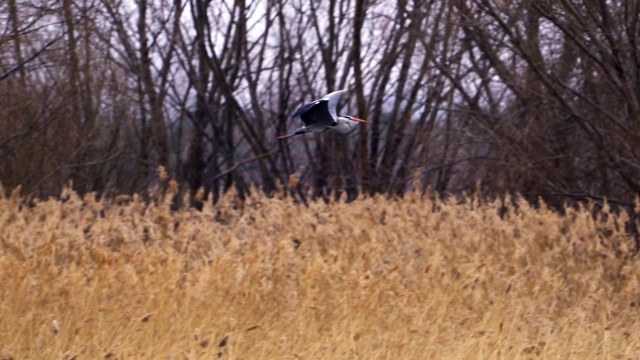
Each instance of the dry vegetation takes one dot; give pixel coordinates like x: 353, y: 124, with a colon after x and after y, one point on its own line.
x: 375, y: 278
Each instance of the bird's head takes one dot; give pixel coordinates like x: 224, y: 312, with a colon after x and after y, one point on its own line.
x: 347, y: 124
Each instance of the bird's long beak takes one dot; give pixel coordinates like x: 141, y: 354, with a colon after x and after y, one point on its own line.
x: 359, y: 120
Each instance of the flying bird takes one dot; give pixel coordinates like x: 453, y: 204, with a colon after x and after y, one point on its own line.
x: 320, y: 115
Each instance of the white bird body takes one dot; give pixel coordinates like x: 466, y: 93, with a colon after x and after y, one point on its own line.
x: 320, y: 115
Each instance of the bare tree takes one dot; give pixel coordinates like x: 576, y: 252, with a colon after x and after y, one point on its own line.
x: 537, y: 98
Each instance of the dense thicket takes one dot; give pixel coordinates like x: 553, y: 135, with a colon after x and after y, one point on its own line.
x: 539, y: 98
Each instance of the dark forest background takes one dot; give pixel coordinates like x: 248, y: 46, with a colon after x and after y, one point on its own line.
x: 538, y: 98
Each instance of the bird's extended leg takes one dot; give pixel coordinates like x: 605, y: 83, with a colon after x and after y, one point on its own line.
x: 299, y: 131
x: 281, y: 137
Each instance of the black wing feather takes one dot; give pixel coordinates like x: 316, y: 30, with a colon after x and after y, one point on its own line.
x: 315, y: 113
x: 302, y: 109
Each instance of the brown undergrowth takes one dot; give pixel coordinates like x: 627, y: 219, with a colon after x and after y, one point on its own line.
x: 375, y: 278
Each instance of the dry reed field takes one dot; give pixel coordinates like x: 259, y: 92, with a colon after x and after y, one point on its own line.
x: 268, y: 279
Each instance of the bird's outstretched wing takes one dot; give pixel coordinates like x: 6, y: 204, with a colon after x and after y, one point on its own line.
x: 318, y: 115
x: 333, y: 99
x: 304, y: 108
x: 320, y: 112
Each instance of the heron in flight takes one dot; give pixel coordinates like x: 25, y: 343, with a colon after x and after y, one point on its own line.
x: 320, y: 115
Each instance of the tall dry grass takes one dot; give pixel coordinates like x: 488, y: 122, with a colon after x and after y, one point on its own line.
x: 375, y: 278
